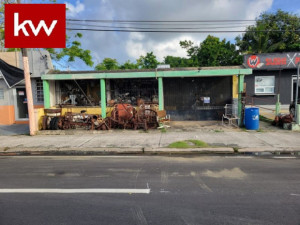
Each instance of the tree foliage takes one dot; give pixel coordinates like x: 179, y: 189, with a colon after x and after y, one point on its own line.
x: 107, y: 64
x: 212, y: 52
x: 178, y: 61
x: 147, y: 62
x: 72, y: 51
x: 129, y: 66
x: 256, y: 40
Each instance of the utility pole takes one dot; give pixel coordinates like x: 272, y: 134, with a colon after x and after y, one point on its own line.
x: 32, y: 127
x: 296, y: 97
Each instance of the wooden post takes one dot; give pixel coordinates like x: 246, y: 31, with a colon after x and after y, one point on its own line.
x: 32, y: 128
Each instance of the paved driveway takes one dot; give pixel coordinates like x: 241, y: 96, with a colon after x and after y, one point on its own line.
x: 15, y: 129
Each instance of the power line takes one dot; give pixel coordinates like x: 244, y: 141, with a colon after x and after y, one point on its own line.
x: 159, y: 28
x: 173, y: 21
x: 180, y: 31
x: 160, y: 21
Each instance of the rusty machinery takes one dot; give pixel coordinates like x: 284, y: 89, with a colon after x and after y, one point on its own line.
x: 123, y: 116
x: 53, y: 120
x: 127, y: 117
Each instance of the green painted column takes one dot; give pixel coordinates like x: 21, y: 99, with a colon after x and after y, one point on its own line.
x: 278, y: 105
x: 103, y: 98
x: 240, y: 90
x: 297, y: 107
x: 160, y: 94
x: 46, y: 90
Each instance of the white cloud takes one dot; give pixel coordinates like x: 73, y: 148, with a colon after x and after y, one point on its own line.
x: 74, y: 10
x: 136, y: 46
x: 255, y: 10
x: 123, y: 46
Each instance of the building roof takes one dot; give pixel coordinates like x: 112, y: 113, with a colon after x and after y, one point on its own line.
x: 148, y: 73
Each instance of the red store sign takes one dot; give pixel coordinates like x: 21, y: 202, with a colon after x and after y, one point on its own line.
x: 35, y: 25
x: 274, y: 60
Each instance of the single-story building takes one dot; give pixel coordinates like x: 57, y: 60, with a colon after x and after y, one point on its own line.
x: 185, y: 93
x: 273, y: 74
x: 13, y: 101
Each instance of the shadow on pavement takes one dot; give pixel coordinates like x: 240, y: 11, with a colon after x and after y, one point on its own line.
x: 15, y: 129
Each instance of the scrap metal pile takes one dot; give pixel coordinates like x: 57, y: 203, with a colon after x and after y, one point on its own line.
x: 123, y: 116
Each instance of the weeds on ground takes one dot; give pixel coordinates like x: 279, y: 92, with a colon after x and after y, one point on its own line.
x: 163, y: 130
x: 188, y: 144
x: 218, y: 131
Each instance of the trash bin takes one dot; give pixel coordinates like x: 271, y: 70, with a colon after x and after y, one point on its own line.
x: 252, y: 118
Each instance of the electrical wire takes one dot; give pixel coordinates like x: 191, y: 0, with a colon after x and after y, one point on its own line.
x: 180, y: 31
x: 159, y: 28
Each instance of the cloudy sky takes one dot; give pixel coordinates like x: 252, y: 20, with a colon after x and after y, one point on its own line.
x: 129, y: 46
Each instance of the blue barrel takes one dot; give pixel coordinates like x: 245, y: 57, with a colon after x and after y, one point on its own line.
x: 252, y: 118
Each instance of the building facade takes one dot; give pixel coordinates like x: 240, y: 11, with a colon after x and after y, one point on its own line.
x: 13, y: 101
x: 185, y: 93
x: 273, y: 74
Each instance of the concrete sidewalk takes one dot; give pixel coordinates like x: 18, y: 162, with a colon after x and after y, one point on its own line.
x: 222, y: 140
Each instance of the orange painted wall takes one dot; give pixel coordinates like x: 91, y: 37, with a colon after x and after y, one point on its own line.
x: 7, y: 114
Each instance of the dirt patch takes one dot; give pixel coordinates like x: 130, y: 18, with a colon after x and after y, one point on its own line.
x: 235, y: 173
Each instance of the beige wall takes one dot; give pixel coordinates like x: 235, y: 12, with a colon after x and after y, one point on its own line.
x: 11, y: 58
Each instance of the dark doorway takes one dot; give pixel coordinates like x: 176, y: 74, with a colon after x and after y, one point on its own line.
x: 22, y: 103
x: 197, y: 98
x: 294, y: 89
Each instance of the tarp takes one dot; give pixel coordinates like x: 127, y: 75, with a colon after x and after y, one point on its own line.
x: 12, y: 75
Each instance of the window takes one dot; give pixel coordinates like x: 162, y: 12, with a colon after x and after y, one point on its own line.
x: 264, y: 84
x: 39, y: 91
x: 1, y: 94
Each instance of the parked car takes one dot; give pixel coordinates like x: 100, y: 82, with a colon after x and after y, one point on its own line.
x: 292, y: 107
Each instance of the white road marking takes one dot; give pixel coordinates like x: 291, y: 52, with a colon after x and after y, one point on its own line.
x: 295, y: 194
x: 284, y: 157
x: 73, y: 191
x: 239, y: 157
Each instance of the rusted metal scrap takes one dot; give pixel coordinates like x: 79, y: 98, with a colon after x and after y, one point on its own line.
x: 122, y: 116
x: 145, y: 118
x: 127, y: 117
x: 281, y: 119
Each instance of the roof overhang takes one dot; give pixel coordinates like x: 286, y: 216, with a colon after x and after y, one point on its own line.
x: 147, y: 74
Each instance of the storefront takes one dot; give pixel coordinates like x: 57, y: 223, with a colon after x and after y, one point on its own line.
x: 273, y: 74
x: 186, y: 93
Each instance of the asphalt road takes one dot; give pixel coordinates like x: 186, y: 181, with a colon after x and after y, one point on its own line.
x: 183, y: 190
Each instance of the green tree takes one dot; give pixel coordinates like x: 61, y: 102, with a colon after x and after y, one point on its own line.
x: 129, y: 66
x: 262, y: 37
x: 178, y: 61
x: 73, y: 48
x: 212, y: 52
x: 147, y: 62
x: 107, y: 64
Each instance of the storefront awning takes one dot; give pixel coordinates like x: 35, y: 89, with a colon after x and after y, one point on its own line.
x: 12, y: 75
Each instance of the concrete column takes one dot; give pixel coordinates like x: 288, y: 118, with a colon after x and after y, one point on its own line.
x: 278, y: 105
x: 160, y: 94
x: 298, y: 114
x: 108, y: 90
x: 46, y: 89
x: 103, y: 98
x: 240, y: 91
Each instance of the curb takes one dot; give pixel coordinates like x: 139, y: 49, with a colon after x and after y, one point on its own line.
x: 18, y: 151
x: 111, y: 151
